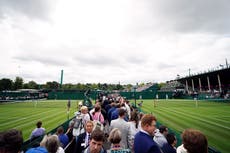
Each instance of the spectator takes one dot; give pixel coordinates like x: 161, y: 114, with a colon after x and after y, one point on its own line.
x: 39, y: 131
x: 97, y: 115
x: 133, y: 122
x: 41, y: 148
x: 194, y: 141
x: 84, y: 114
x: 170, y: 147
x: 96, y: 141
x: 11, y: 141
x: 123, y: 126
x: 143, y: 141
x: 115, y: 139
x: 69, y: 131
x: 181, y: 149
x: 109, y: 113
x: 68, y: 105
x: 141, y: 114
x: 63, y: 138
x: 159, y: 136
x: 53, y: 145
x: 82, y: 141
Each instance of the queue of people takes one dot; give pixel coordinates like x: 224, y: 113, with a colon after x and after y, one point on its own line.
x: 113, y: 126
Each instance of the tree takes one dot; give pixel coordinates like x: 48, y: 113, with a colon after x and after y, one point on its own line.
x: 119, y: 87
x: 67, y: 86
x: 18, y: 83
x: 32, y: 85
x: 160, y: 85
x: 128, y: 87
x: 6, y: 84
x: 25, y: 86
x: 52, y: 85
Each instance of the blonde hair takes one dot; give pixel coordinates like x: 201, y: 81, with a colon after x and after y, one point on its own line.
x: 115, y: 136
x: 84, y: 108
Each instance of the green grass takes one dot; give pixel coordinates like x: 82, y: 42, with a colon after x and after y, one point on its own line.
x: 212, y: 118
x: 24, y: 115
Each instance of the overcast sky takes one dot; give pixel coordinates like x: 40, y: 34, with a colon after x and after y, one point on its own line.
x: 112, y: 41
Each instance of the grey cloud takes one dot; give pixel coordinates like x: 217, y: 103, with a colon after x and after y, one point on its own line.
x: 135, y: 58
x: 52, y: 61
x: 194, y: 16
x: 96, y: 60
x: 30, y: 8
x: 165, y: 66
x: 39, y: 77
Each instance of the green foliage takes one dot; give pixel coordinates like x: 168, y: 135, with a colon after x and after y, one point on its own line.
x: 18, y: 83
x: 161, y: 85
x: 30, y: 85
x: 6, y: 84
x: 52, y: 85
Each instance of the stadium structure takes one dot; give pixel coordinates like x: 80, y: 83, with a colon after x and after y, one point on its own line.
x: 212, y: 84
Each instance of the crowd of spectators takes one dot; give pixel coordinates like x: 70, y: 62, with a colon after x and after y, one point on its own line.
x: 113, y: 126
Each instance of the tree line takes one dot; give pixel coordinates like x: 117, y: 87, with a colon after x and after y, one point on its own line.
x: 18, y: 83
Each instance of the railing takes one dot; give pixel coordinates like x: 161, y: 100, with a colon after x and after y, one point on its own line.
x: 35, y: 142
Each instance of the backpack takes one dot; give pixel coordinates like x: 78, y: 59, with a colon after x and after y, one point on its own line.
x: 78, y: 127
x: 98, y: 125
x: 91, y: 118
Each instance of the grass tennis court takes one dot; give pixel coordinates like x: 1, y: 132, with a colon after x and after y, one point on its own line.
x: 212, y: 118
x: 24, y: 115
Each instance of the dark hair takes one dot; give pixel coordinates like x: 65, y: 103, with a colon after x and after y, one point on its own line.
x: 170, y: 138
x: 39, y: 124
x: 11, y: 141
x: 97, y: 108
x: 162, y: 128
x: 60, y: 130
x: 141, y: 114
x: 97, y: 135
x: 121, y: 112
x: 134, y: 117
x: 194, y: 141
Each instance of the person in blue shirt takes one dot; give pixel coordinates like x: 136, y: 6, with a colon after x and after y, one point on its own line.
x: 39, y: 131
x: 143, y: 141
x: 170, y: 146
x: 63, y: 138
